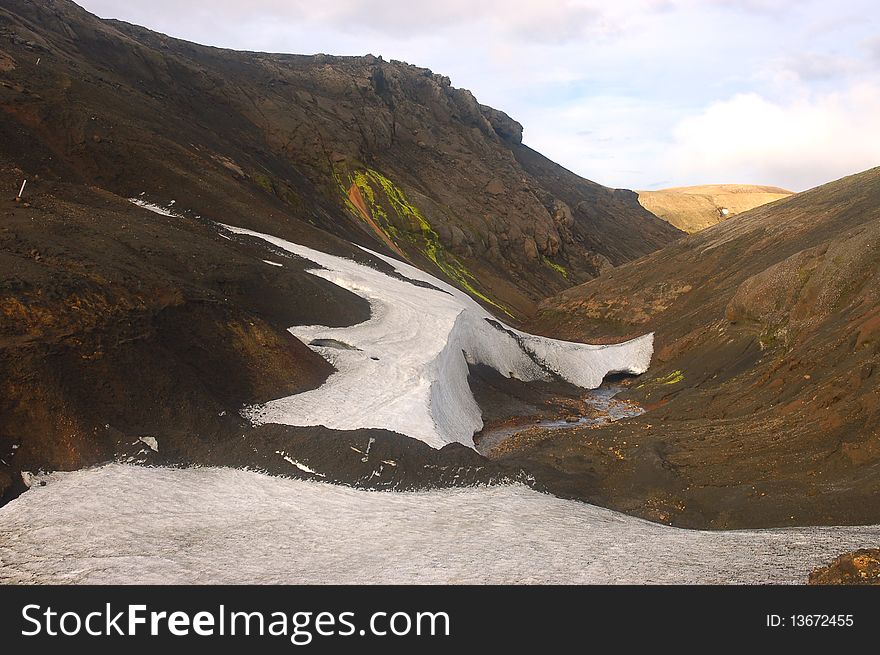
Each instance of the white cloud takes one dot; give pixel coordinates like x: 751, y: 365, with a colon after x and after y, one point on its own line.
x: 609, y: 139
x: 524, y: 20
x: 873, y: 47
x: 820, y: 67
x: 798, y: 143
x: 760, y: 6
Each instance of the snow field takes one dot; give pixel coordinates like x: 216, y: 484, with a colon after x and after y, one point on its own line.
x: 136, y: 525
x: 406, y: 370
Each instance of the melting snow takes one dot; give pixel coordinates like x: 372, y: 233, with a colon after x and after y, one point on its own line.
x: 151, y: 443
x: 407, y: 370
x: 156, y: 525
x: 297, y: 464
x: 156, y: 209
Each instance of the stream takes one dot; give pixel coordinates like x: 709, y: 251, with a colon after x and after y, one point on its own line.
x: 604, y: 406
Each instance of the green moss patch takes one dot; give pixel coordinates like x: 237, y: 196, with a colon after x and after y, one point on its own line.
x: 559, y: 268
x: 673, y: 378
x: 382, y: 196
x: 278, y: 188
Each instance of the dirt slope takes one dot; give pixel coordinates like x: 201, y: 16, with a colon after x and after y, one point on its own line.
x: 764, y: 391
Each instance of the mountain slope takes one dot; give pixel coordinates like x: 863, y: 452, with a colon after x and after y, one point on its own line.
x: 694, y: 208
x: 122, y: 327
x: 385, y: 154
x: 764, y: 393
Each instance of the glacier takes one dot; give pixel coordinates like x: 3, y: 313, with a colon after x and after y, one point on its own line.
x: 139, y: 525
x: 405, y: 369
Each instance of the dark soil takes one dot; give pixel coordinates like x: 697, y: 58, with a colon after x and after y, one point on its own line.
x: 504, y: 400
x: 369, y: 459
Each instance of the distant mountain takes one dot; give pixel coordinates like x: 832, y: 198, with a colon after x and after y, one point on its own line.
x: 694, y: 208
x: 765, y: 390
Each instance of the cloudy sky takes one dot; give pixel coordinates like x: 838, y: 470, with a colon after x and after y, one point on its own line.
x: 632, y: 93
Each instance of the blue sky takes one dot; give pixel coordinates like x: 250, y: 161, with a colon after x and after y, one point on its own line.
x: 634, y: 93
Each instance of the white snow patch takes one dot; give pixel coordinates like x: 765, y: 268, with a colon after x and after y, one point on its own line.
x: 135, y: 525
x: 151, y: 443
x: 266, y: 261
x: 40, y: 478
x: 409, y: 372
x: 156, y: 209
x: 297, y: 464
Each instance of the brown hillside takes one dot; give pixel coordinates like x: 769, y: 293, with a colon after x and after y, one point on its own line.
x: 764, y: 390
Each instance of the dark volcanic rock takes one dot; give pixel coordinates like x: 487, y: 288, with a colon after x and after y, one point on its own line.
x: 504, y: 126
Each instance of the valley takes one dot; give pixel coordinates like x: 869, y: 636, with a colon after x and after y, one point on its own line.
x: 265, y: 286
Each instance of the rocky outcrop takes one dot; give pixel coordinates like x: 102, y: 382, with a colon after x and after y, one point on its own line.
x: 504, y: 126
x: 861, y: 567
